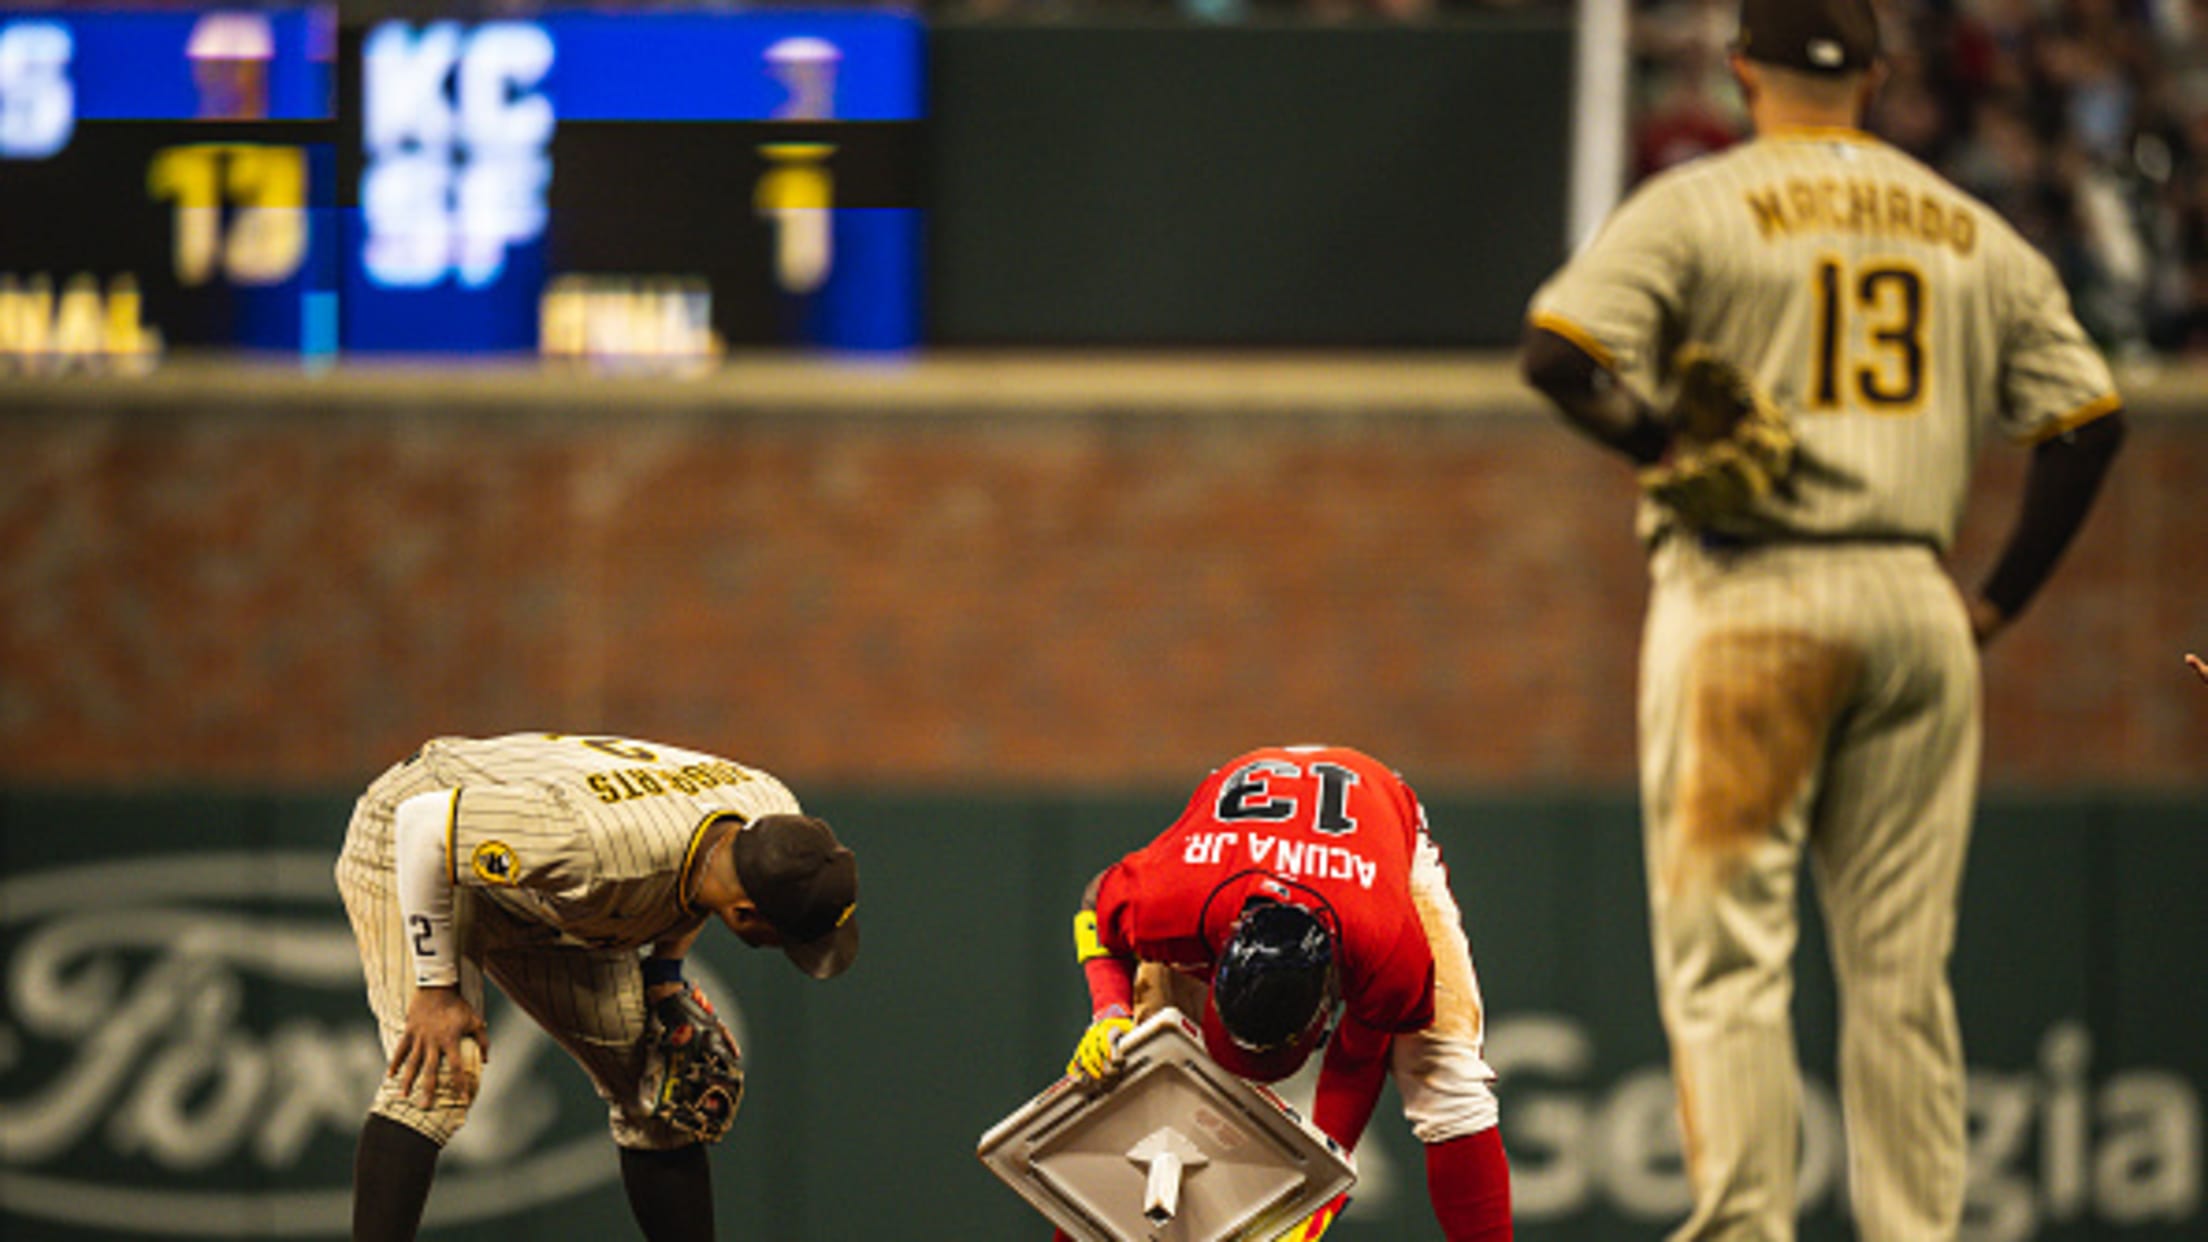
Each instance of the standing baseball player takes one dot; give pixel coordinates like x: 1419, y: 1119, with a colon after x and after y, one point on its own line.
x: 576, y: 872
x: 1301, y: 880
x: 1853, y: 328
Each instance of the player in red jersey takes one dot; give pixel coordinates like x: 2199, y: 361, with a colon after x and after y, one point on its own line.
x: 1300, y: 890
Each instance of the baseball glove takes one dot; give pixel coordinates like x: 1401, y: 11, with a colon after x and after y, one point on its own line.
x: 1730, y: 445
x: 694, y: 1073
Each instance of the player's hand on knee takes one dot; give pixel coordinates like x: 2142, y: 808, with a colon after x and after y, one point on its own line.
x: 1096, y: 1058
x: 440, y: 1023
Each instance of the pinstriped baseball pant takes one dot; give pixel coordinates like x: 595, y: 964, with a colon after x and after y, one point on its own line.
x: 590, y: 1001
x: 1821, y: 700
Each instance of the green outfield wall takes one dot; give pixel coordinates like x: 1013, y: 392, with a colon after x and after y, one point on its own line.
x: 1131, y: 183
x: 184, y: 1051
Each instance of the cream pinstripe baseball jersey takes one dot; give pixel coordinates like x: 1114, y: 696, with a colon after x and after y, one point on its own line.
x: 1893, y: 318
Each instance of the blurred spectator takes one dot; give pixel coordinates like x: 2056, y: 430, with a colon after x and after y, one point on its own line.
x: 1688, y: 104
x: 1683, y: 121
x: 2000, y: 159
x: 1397, y: 10
x: 1910, y: 111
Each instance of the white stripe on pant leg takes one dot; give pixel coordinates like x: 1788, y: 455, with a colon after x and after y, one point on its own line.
x: 1444, y: 1080
x: 1458, y: 1011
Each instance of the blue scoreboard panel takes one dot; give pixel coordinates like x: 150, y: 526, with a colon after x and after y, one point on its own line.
x: 166, y: 178
x: 583, y: 184
x: 606, y: 184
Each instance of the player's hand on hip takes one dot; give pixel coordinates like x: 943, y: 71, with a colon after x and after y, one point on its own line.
x: 1096, y: 1058
x: 1986, y: 620
x: 438, y: 1019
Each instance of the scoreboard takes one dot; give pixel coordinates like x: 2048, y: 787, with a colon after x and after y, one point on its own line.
x: 164, y: 178
x: 612, y: 186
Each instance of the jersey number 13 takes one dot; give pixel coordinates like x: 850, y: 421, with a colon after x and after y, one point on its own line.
x: 1889, y: 295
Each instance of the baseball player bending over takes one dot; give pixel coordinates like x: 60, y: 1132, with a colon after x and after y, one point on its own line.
x: 549, y: 863
x: 1845, y: 330
x: 1301, y: 886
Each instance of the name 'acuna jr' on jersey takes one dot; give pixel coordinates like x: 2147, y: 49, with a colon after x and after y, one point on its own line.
x: 1893, y: 318
x: 1334, y: 825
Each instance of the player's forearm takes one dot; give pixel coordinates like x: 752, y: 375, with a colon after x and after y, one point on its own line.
x: 1350, y: 1077
x: 677, y: 945
x: 1111, y: 978
x: 661, y: 969
x: 420, y: 839
x: 2059, y: 489
x: 1591, y: 397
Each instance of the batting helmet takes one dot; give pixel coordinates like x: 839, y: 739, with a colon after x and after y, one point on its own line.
x: 1269, y: 990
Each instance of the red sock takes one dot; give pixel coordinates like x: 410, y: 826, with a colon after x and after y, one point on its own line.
x: 1468, y: 1180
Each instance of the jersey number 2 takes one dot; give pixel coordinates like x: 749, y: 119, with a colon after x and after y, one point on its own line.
x: 1891, y: 296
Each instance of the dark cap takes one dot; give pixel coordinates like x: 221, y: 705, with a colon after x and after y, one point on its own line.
x: 1814, y: 36
x: 805, y: 883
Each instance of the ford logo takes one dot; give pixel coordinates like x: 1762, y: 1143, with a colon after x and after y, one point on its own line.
x: 141, y: 1092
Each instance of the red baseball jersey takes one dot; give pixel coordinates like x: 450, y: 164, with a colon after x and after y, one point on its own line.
x: 1324, y: 827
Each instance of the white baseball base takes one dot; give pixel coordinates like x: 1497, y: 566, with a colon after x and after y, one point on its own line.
x: 1176, y: 1149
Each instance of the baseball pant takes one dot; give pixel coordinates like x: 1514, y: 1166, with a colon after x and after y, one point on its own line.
x: 1818, y: 698
x: 590, y: 1001
x: 1439, y: 1071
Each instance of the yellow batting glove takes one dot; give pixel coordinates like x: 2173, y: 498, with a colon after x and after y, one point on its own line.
x: 1096, y: 1057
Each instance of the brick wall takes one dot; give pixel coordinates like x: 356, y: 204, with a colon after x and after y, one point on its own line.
x: 204, y: 581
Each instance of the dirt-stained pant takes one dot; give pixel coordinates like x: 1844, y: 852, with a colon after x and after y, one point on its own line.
x: 591, y: 1002
x: 1821, y: 698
